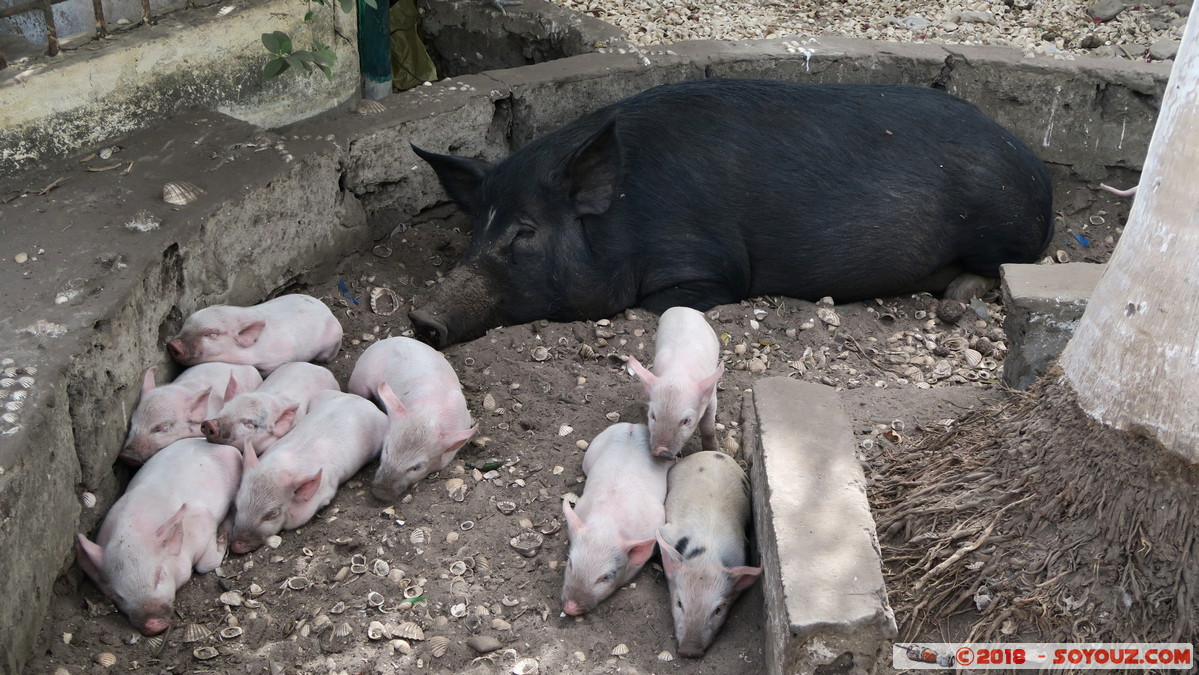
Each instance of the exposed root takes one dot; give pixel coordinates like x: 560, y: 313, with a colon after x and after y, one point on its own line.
x: 1041, y: 525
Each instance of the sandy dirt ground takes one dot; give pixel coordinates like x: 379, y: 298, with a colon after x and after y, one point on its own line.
x: 439, y: 568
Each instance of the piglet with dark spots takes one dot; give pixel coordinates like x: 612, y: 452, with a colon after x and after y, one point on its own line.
x: 703, y: 546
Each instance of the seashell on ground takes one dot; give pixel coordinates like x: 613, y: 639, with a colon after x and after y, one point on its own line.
x: 458, y: 611
x: 540, y: 354
x: 457, y: 568
x: 298, y: 583
x: 384, y: 301
x: 106, y: 659
x: 231, y: 598
x: 342, y: 630
x: 338, y: 608
x: 620, y: 649
x: 954, y: 343
x: 180, y: 193
x: 274, y: 541
x: 322, y: 623
x: 419, y: 536
x: 194, y: 632
x: 505, y: 507
x: 256, y: 590
x: 231, y: 632
x: 206, y: 652
x: 375, y: 599
x: 376, y: 631
x: 413, y: 592
x: 527, y: 543
x: 380, y: 567
x: 155, y: 643
x: 665, y: 656
x: 408, y: 631
x: 972, y: 357
x: 401, y: 646
x: 527, y: 666
x: 439, y: 645
x: 500, y: 624
x: 88, y: 500
x: 488, y: 402
x: 368, y: 107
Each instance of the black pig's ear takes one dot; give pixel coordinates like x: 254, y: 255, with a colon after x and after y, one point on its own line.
x: 593, y: 172
x: 460, y: 176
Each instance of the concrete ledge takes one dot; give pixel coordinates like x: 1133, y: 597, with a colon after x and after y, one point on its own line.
x: 1044, y: 304
x: 826, y: 604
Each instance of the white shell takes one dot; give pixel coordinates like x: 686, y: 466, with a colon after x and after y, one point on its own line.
x: 375, y: 599
x: 972, y: 357
x: 540, y: 354
x: 565, y: 430
x: 338, y: 608
x: 231, y: 632
x: 231, y: 598
x: 408, y: 631
x: 88, y: 500
x: 180, y: 193
x: 380, y: 567
x: 665, y: 656
x: 488, y: 402
x: 376, y: 631
x: 206, y: 652
x: 413, y: 592
x: 343, y: 629
x: 439, y: 645
x: 256, y: 590
x: 368, y: 107
x: 525, y: 667
x: 457, y: 568
x: 274, y: 541
x: 298, y: 583
x: 419, y: 536
x: 106, y: 659
x: 155, y: 643
x: 954, y: 343
x: 458, y: 611
x: 194, y: 632
x: 384, y: 301
x: 620, y: 649
x: 505, y: 507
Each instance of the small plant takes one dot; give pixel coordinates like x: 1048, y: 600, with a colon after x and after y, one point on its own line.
x: 285, y: 57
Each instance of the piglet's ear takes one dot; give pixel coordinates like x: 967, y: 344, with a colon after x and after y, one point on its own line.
x: 743, y: 577
x: 708, y: 384
x: 455, y: 439
x: 574, y: 524
x: 285, y: 421
x: 232, y: 389
x: 200, y: 408
x: 639, y: 551
x: 593, y: 173
x: 91, y: 558
x: 170, y: 533
x: 647, y: 378
x: 672, y: 560
x: 391, y: 403
x: 460, y: 176
x: 306, y: 487
x: 148, y: 380
x: 249, y: 458
x: 249, y: 333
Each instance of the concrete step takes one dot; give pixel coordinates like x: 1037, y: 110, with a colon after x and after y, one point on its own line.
x: 1044, y: 304
x: 826, y: 604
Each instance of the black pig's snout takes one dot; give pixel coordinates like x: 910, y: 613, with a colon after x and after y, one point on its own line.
x: 429, y: 329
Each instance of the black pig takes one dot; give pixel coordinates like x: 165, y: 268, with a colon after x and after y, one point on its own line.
x: 706, y: 192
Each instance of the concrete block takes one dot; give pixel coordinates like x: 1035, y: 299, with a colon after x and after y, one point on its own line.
x: 88, y: 309
x: 1044, y: 304
x: 826, y: 604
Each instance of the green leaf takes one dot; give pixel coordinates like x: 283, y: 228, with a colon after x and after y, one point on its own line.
x: 371, y: 3
x: 284, y: 41
x: 347, y: 6
x: 308, y: 16
x: 274, y: 67
x: 326, y: 70
x: 324, y: 57
x: 419, y: 598
x: 271, y: 42
x: 296, y: 62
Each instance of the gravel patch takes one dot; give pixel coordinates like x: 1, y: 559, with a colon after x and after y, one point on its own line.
x: 1066, y: 28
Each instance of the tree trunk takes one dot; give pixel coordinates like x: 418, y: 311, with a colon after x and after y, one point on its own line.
x: 1134, y: 360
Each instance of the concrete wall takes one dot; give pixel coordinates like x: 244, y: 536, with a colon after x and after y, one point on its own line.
x: 281, y: 207
x: 51, y: 108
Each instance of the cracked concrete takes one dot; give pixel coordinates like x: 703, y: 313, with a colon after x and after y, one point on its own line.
x: 280, y: 206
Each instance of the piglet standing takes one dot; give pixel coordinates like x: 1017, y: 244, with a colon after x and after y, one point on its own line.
x: 264, y: 415
x: 612, y: 526
x: 266, y: 336
x: 682, y: 391
x: 703, y: 546
x: 429, y: 421
x: 173, y: 411
x: 283, y: 490
x: 164, y: 525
